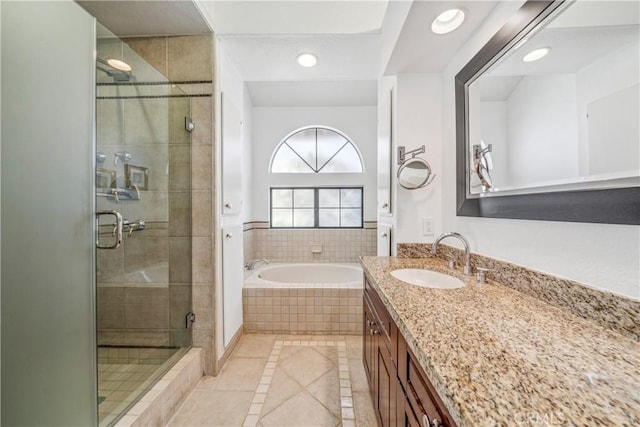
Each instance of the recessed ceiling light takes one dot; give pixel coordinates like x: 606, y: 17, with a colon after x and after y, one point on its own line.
x: 119, y: 65
x: 534, y: 55
x: 447, y: 21
x: 307, y: 59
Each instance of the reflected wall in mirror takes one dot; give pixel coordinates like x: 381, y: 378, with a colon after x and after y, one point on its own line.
x: 555, y: 95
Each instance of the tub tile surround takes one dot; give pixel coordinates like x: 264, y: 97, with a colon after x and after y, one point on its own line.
x: 496, y: 355
x: 609, y: 310
x: 302, y: 311
x: 291, y: 245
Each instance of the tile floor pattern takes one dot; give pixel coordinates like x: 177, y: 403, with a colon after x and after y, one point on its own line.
x: 284, y: 380
x: 124, y: 373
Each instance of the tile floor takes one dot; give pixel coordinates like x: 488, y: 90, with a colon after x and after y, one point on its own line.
x: 284, y: 380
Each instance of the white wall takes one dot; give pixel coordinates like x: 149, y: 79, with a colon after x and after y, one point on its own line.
x: 418, y: 122
x: 542, y: 129
x: 601, y: 255
x: 612, y: 73
x: 271, y: 125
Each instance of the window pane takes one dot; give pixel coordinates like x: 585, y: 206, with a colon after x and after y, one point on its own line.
x: 347, y: 160
x: 329, y: 218
x: 328, y: 198
x: 286, y: 160
x: 351, y: 198
x: 303, y: 218
x: 329, y: 142
x: 350, y: 218
x: 281, y: 198
x: 282, y: 217
x: 304, y: 143
x: 303, y: 198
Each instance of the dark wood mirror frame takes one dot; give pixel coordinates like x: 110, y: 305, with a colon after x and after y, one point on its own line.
x: 609, y: 206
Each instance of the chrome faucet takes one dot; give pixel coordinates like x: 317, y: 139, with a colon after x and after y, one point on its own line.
x: 252, y: 264
x: 467, y: 262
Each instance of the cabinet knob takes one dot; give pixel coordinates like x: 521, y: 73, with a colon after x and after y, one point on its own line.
x: 374, y: 332
x: 228, y: 205
x: 385, y: 205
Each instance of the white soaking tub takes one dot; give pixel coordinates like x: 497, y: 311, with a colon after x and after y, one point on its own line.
x: 290, y: 298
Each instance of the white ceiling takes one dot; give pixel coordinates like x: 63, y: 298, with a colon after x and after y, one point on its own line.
x: 137, y: 18
x: 295, y: 17
x: 351, y: 38
x: 418, y: 50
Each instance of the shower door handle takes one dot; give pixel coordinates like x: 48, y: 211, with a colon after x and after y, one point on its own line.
x: 117, y: 231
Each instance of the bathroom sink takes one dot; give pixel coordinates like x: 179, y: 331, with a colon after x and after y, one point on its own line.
x: 427, y: 278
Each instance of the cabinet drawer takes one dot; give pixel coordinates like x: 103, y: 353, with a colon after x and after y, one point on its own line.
x: 421, y: 395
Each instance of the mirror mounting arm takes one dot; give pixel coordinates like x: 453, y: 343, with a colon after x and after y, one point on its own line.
x: 402, y: 153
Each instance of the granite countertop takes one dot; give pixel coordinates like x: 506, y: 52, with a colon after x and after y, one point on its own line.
x: 499, y: 357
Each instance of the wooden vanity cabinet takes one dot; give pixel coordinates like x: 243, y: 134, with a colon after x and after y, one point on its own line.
x: 401, y: 393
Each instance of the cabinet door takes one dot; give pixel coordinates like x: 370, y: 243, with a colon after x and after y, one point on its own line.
x: 369, y: 349
x: 386, y: 385
x: 231, y: 149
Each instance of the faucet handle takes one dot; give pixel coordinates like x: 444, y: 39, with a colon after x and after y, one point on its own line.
x: 451, y: 262
x: 481, y: 274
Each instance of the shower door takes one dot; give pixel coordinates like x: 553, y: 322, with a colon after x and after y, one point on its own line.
x: 143, y: 192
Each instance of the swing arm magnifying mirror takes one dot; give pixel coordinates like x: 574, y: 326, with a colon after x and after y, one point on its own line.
x: 415, y: 172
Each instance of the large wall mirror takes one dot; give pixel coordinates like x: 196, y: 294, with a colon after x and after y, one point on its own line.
x: 547, y: 116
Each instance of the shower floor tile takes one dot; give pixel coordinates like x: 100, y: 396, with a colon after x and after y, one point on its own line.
x: 123, y: 374
x: 284, y: 380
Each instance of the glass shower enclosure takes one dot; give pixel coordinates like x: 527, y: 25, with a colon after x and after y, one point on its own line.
x: 143, y: 255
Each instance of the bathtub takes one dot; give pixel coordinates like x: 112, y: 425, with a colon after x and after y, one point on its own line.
x: 314, y: 275
x: 290, y: 298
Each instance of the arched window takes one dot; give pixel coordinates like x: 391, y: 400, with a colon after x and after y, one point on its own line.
x: 316, y: 149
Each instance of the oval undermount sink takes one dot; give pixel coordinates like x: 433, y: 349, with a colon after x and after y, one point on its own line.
x: 427, y: 278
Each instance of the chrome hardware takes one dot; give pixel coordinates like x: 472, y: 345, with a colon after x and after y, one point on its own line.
x: 130, y: 227
x: 384, y: 235
x: 374, y: 332
x: 122, y: 156
x: 371, y: 323
x: 100, y: 158
x: 229, y: 235
x: 467, y: 262
x: 117, y: 193
x: 481, y: 274
x: 451, y: 262
x: 228, y: 205
x: 190, y: 319
x: 436, y: 423
x: 250, y: 265
x: 189, y: 126
x: 385, y: 205
x: 403, y: 153
x: 117, y: 230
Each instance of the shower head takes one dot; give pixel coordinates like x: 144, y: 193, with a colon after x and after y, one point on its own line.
x: 119, y: 71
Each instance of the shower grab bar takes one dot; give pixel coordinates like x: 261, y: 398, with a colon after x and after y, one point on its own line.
x: 127, y: 227
x: 116, y: 193
x: 117, y: 231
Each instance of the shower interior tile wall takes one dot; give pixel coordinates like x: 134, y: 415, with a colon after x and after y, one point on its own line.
x: 188, y: 246
x: 338, y: 245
